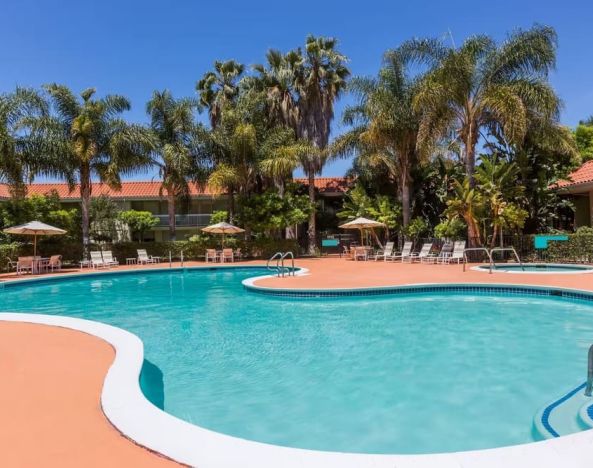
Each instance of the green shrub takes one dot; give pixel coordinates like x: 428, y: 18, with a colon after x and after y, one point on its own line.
x: 7, y: 251
x: 578, y: 248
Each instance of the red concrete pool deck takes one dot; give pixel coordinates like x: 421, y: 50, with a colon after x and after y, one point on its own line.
x: 50, y: 402
x: 52, y: 377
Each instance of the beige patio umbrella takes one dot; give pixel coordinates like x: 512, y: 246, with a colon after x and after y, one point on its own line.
x: 361, y: 224
x: 35, y: 228
x: 223, y: 228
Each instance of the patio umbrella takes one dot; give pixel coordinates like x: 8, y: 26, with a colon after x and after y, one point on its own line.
x: 223, y: 228
x: 35, y: 228
x: 361, y: 224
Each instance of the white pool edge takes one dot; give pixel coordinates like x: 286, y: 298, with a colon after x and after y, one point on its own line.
x: 133, y: 415
x: 484, y: 268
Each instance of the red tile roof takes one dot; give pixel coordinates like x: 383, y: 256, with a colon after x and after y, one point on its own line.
x: 150, y: 189
x: 582, y: 175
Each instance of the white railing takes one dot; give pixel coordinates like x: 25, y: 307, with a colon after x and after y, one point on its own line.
x: 197, y: 220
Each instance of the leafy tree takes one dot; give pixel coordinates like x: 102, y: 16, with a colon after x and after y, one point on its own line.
x: 583, y: 135
x: 219, y: 216
x: 467, y: 203
x: 485, y: 86
x: 21, y: 157
x: 269, y: 213
x: 219, y: 88
x: 386, y: 126
x: 88, y: 134
x: 416, y: 229
x: 139, y: 221
x: 450, y: 229
x: 301, y: 89
x: 104, y: 214
x: 180, y: 156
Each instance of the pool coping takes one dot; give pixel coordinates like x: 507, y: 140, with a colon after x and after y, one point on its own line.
x: 484, y: 268
x: 126, y: 407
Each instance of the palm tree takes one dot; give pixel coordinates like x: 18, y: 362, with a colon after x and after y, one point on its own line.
x: 467, y: 203
x: 484, y: 86
x: 220, y: 87
x: 387, y: 125
x: 89, y: 136
x: 302, y: 88
x: 21, y: 155
x: 172, y: 122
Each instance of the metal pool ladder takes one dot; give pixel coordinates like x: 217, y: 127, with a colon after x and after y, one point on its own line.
x: 489, y: 254
x: 281, y: 270
x: 589, y: 386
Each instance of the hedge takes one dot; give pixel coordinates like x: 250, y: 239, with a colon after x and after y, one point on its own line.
x: 578, y: 248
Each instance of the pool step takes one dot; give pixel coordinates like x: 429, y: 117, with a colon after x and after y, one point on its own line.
x: 572, y: 412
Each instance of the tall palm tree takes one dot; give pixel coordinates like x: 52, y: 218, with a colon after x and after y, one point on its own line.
x: 302, y: 87
x: 172, y: 122
x: 387, y: 125
x: 21, y: 153
x: 88, y: 134
x: 220, y: 87
x: 482, y: 86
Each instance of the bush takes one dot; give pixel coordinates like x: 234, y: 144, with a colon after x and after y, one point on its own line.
x: 7, y: 251
x: 578, y: 248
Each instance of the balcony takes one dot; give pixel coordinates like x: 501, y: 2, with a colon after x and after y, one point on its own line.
x: 188, y: 220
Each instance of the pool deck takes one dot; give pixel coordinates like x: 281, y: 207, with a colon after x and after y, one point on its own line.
x: 53, y: 377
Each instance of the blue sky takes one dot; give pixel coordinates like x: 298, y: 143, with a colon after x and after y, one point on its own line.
x: 132, y: 47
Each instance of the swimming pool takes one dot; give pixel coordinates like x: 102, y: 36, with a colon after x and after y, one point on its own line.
x: 538, y: 268
x: 434, y: 371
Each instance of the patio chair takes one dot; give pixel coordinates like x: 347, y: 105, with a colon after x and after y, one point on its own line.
x: 361, y: 253
x: 227, y: 255
x: 383, y: 254
x: 211, y: 255
x: 457, y: 255
x: 97, y: 259
x: 23, y: 265
x: 238, y: 254
x: 446, y: 250
x: 55, y: 263
x: 109, y: 259
x: 424, y: 252
x: 144, y: 258
x: 403, y: 255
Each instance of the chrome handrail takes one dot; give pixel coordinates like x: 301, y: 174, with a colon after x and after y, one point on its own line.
x: 589, y: 386
x: 509, y: 249
x: 276, y: 257
x: 476, y: 249
x: 287, y: 254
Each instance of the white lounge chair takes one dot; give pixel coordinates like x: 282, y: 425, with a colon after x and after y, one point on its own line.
x: 383, y: 254
x: 405, y: 254
x: 457, y: 255
x: 109, y: 259
x: 97, y: 260
x: 144, y: 258
x: 424, y: 252
x: 446, y: 250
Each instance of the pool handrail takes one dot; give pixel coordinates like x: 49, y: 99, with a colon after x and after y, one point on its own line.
x: 508, y: 249
x: 276, y: 257
x: 589, y: 386
x: 285, y: 255
x: 476, y: 249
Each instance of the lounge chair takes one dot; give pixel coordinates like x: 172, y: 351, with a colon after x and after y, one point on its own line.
x: 406, y: 253
x: 424, y: 252
x: 227, y: 255
x: 97, y: 260
x: 211, y: 255
x: 144, y: 258
x: 446, y: 251
x: 383, y: 254
x: 109, y: 259
x: 55, y: 263
x: 457, y: 255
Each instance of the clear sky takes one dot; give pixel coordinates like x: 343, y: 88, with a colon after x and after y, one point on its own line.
x: 132, y: 47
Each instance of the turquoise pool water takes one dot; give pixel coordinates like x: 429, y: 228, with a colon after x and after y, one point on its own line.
x: 415, y: 373
x: 541, y: 268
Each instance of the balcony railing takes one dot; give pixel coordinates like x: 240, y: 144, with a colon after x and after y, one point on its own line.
x: 192, y: 220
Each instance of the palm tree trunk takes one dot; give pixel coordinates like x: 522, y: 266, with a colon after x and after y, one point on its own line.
x: 85, y: 203
x: 470, y: 152
x: 311, y: 231
x: 405, y: 197
x: 171, y: 213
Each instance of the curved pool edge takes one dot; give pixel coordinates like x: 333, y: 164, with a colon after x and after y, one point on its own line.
x: 126, y: 407
x: 485, y: 268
